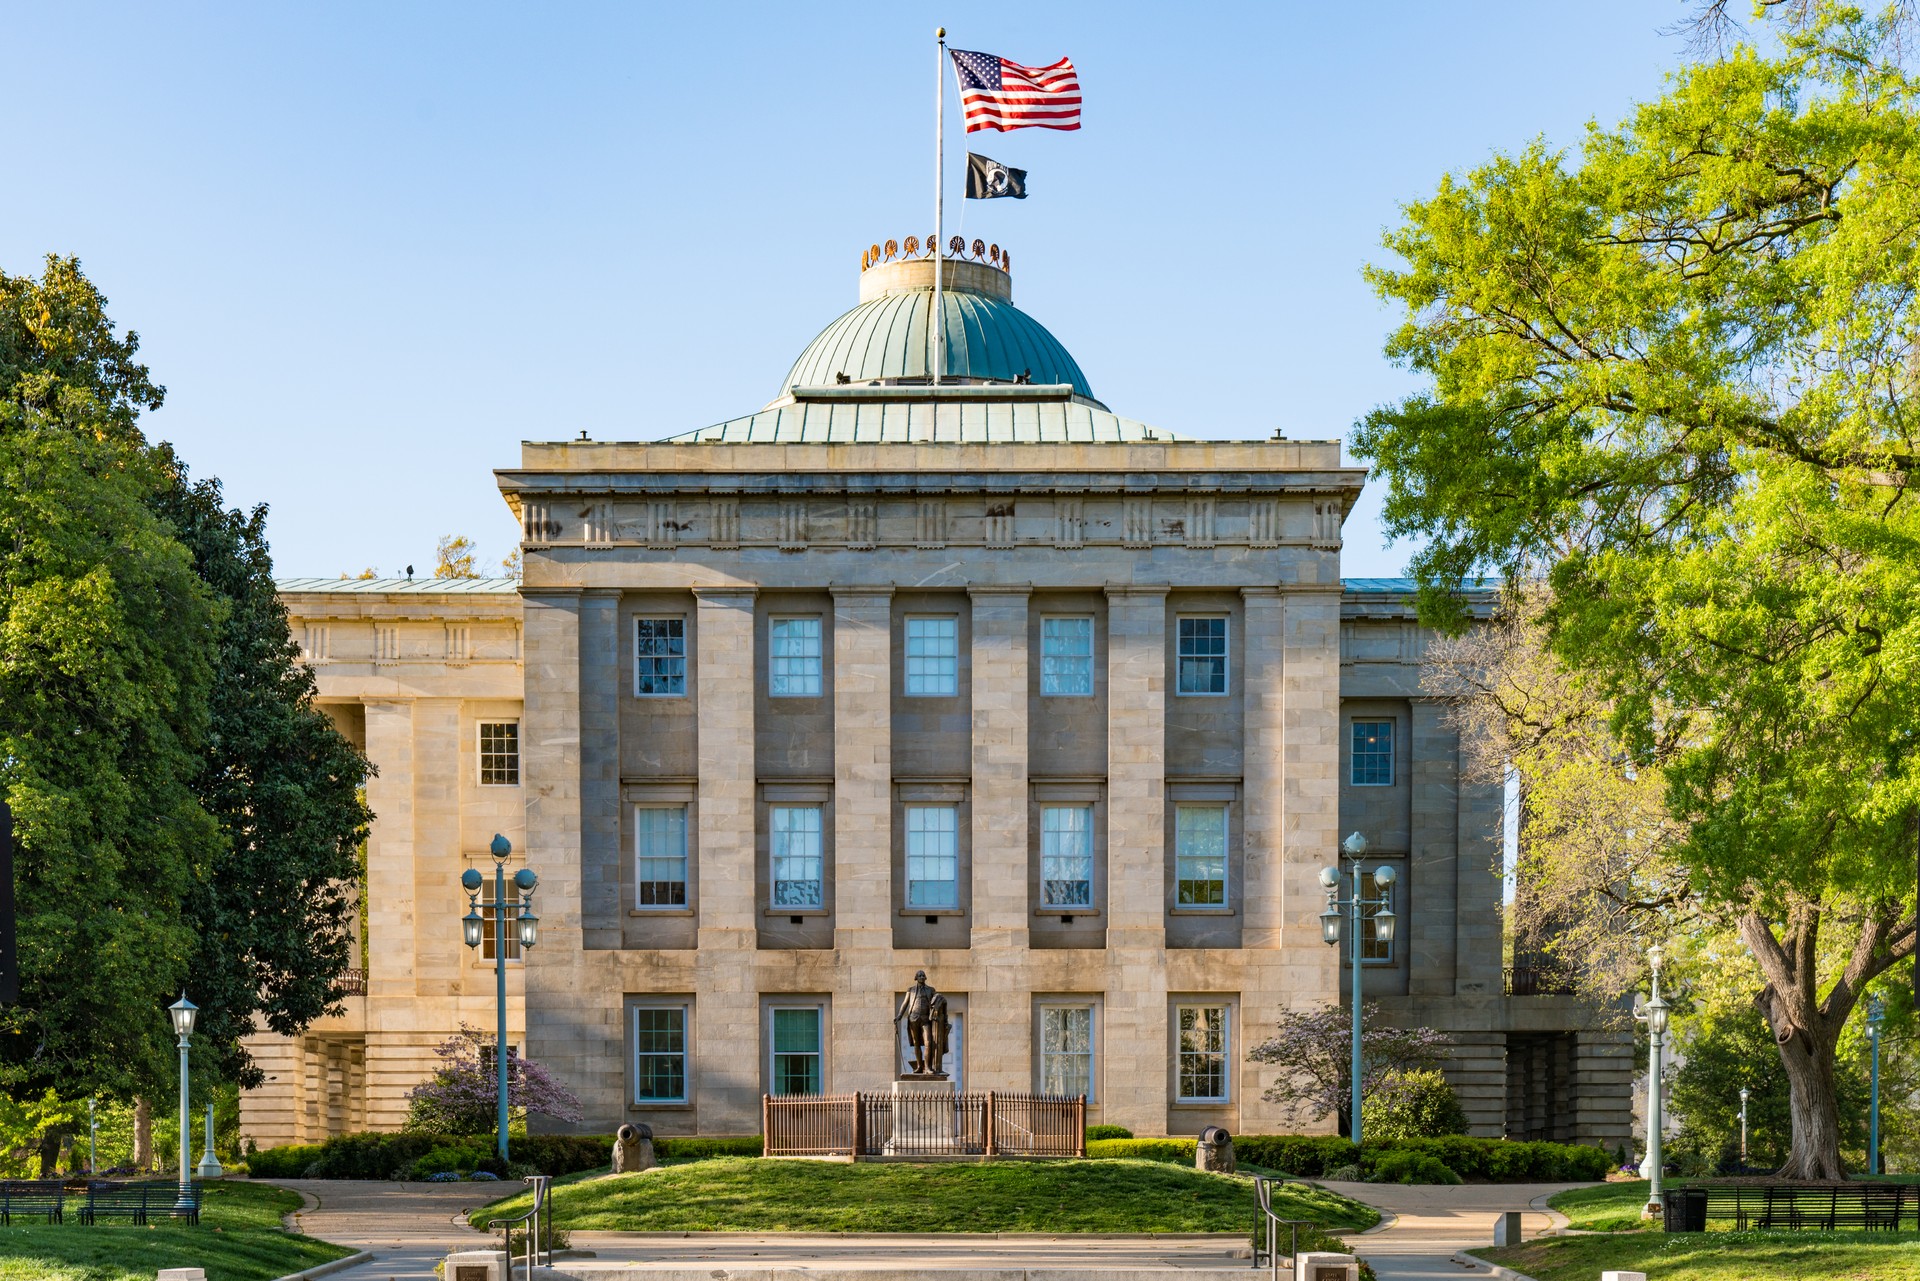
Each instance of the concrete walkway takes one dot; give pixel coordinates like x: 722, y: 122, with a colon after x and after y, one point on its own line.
x: 409, y: 1227
x: 1425, y: 1227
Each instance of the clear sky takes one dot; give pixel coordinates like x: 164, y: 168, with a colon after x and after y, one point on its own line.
x: 369, y: 248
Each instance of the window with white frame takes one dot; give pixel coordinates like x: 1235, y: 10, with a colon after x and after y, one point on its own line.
x: 1200, y: 855
x: 659, y: 1054
x: 933, y: 657
x: 1372, y: 754
x: 660, y: 856
x: 1374, y: 950
x: 499, y: 753
x: 1066, y: 856
x: 1201, y: 656
x: 933, y: 856
x: 1202, y: 1070
x: 1066, y: 656
x: 794, y: 841
x: 1066, y: 1049
x: 793, y: 669
x: 490, y: 912
x: 796, y: 1066
x: 659, y: 657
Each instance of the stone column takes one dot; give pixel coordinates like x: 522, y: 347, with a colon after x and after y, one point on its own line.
x: 390, y: 906
x: 727, y: 1020
x: 1432, y: 894
x: 999, y: 1023
x: 1262, y: 896
x: 559, y: 1031
x: 863, y: 836
x: 1136, y: 1039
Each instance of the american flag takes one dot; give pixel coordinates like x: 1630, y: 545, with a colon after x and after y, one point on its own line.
x: 1003, y: 95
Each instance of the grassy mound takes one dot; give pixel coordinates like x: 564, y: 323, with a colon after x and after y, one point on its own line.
x: 1719, y: 1256
x: 746, y: 1195
x: 239, y: 1239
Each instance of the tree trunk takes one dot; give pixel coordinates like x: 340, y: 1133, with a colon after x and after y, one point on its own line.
x: 142, y: 1134
x: 1815, y: 1153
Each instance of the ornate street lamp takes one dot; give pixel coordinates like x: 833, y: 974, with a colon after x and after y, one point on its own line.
x: 1743, y: 1129
x: 1355, y: 848
x: 183, y: 1013
x: 1876, y: 1013
x: 473, y: 929
x: 1655, y: 1017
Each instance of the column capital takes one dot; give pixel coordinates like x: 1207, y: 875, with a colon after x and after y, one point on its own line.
x: 1133, y: 589
x: 601, y: 593
x: 855, y: 593
x: 1000, y: 589
x: 1250, y: 593
x: 724, y: 591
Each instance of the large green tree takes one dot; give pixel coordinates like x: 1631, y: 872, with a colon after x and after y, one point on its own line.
x: 1674, y: 376
x: 187, y: 816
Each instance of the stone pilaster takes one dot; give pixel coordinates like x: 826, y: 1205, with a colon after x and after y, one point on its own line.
x: 1432, y: 894
x: 1262, y: 896
x: 1479, y: 931
x: 1136, y: 1038
x: 440, y: 956
x: 1310, y: 789
x: 727, y: 1017
x: 999, y: 1014
x: 862, y: 834
x: 390, y: 904
x: 601, y: 907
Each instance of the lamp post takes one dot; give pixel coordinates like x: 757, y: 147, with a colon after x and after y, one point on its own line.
x: 93, y: 1141
x: 183, y: 1013
x: 474, y: 928
x: 209, y: 1167
x: 1355, y: 848
x: 1655, y: 1017
x: 1743, y: 1129
x: 1875, y: 1013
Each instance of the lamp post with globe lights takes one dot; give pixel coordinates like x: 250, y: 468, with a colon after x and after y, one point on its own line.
x: 1743, y: 1128
x: 1655, y: 1017
x: 1355, y: 848
x: 1876, y: 1013
x: 473, y: 927
x: 184, y: 1012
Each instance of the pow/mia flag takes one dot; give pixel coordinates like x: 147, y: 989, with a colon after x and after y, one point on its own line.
x: 987, y: 179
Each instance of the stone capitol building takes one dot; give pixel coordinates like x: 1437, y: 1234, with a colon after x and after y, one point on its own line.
x: 977, y: 678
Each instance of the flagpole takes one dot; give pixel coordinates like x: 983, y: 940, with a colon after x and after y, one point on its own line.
x: 939, y: 197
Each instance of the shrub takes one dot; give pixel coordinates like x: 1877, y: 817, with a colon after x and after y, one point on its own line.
x: 1172, y: 1151
x: 447, y: 1158
x: 1095, y: 1132
x: 1302, y: 1155
x: 289, y: 1162
x: 1413, y: 1104
x: 1345, y: 1174
x: 1502, y: 1160
x: 1411, y: 1167
x: 463, y: 1094
x: 700, y: 1149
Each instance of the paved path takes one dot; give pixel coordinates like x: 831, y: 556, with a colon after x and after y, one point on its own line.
x: 1428, y: 1225
x: 409, y: 1227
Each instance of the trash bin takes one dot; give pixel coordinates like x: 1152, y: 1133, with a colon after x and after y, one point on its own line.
x: 1685, y: 1209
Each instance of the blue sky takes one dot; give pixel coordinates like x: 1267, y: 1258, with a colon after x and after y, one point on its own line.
x: 369, y: 248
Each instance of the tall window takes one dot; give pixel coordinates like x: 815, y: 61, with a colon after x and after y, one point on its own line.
x: 1203, y: 1053
x: 1066, y: 1049
x: 794, y: 670
x: 659, y: 657
x: 660, y: 1054
x: 933, y: 856
x: 660, y: 848
x: 1372, y: 947
x: 1066, y: 856
x: 1200, y: 855
x: 1066, y: 656
x: 499, y: 753
x: 797, y: 861
x: 933, y: 657
x: 490, y: 920
x: 1373, y: 753
x: 1202, y: 656
x: 796, y: 1051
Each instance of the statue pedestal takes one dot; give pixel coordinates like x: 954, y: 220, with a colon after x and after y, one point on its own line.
x: 925, y: 1119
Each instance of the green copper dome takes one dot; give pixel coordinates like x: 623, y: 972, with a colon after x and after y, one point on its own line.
x: 885, y: 338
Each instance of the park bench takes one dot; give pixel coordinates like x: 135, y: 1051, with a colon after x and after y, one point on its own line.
x: 1820, y: 1207
x: 149, y: 1198
x: 31, y: 1199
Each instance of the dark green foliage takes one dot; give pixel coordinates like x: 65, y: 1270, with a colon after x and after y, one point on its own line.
x: 1308, y: 1156
x: 1175, y: 1151
x: 698, y: 1149
x: 1415, y: 1104
x: 1311, y: 1157
x: 289, y: 1162
x: 1402, y: 1166
x: 389, y: 1156
x: 1108, y: 1132
x: 273, y: 912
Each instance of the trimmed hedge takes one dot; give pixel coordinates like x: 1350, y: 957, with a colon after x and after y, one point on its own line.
x: 394, y: 1156
x: 1108, y: 1132
x: 1312, y: 1157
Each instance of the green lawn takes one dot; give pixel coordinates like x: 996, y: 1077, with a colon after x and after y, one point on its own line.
x: 1719, y: 1256
x: 1611, y: 1207
x: 745, y: 1194
x: 239, y: 1239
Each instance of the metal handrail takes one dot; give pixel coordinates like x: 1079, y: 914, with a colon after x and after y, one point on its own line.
x: 1263, y: 1192
x: 539, y: 1245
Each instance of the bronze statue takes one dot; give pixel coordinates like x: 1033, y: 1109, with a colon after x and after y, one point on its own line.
x: 928, y: 1027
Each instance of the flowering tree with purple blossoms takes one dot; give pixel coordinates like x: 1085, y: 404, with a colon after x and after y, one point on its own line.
x: 463, y: 1095
x: 1313, y: 1050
